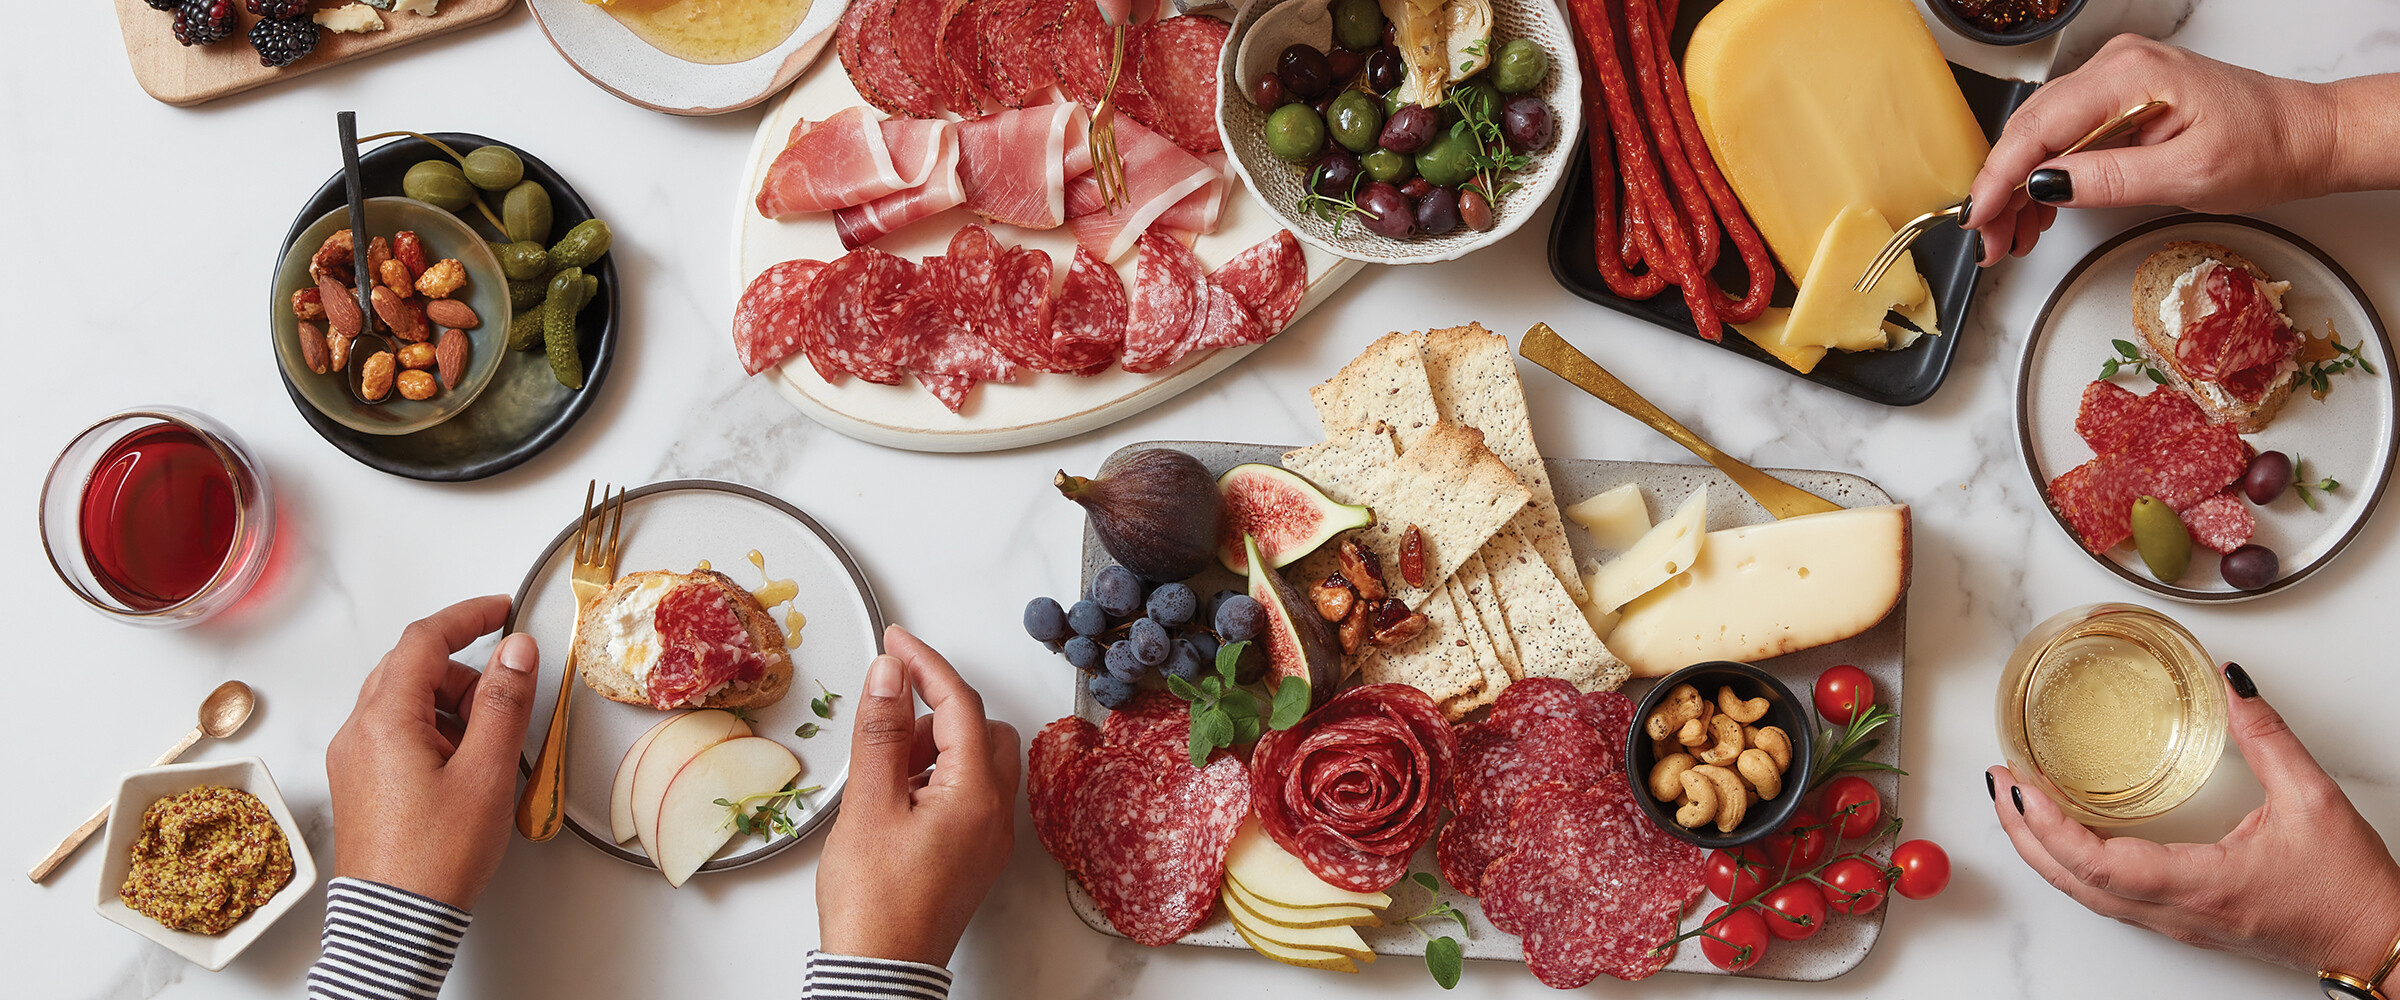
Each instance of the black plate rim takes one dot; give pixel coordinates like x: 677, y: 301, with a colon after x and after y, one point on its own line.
x: 2039, y: 31
x: 363, y: 448
x: 2041, y: 323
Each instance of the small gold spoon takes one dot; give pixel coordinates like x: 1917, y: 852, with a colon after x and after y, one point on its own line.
x: 221, y: 715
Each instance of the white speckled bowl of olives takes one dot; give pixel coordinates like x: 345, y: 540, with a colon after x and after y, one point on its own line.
x: 486, y: 292
x: 1317, y: 112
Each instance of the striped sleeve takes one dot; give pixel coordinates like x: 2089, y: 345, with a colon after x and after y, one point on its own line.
x: 845, y: 977
x: 382, y: 943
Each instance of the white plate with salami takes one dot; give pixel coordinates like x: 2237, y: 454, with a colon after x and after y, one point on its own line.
x: 806, y: 582
x: 2096, y: 444
x: 690, y: 57
x: 899, y: 207
x: 1496, y: 747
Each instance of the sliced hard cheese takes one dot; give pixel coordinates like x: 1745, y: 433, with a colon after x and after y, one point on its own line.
x: 1927, y: 320
x: 1306, y: 958
x: 1829, y: 311
x: 1666, y: 550
x: 1298, y: 916
x: 1338, y: 939
x: 1616, y: 518
x: 1767, y: 332
x: 1602, y: 622
x: 1272, y: 873
x: 1770, y: 589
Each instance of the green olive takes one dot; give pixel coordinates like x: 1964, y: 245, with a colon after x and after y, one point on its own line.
x: 526, y: 213
x: 2159, y: 535
x: 438, y: 183
x: 1521, y: 67
x: 1448, y: 160
x: 494, y: 168
x: 1387, y: 166
x: 1295, y: 133
x: 1356, y: 119
x: 1357, y: 24
x: 1476, y: 94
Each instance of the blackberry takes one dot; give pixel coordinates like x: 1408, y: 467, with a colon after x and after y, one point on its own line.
x: 281, y: 10
x: 206, y: 22
x: 282, y: 43
x: 163, y: 4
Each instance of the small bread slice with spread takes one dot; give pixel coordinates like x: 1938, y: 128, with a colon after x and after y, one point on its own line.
x: 682, y: 640
x: 2215, y: 323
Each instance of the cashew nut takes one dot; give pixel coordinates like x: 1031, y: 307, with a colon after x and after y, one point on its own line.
x: 1714, y: 793
x: 1699, y: 799
x: 1742, y: 711
x: 1662, y: 749
x: 1760, y: 770
x: 1728, y: 734
x: 1666, y: 776
x: 1776, y: 743
x: 1681, y: 705
x: 1694, y: 733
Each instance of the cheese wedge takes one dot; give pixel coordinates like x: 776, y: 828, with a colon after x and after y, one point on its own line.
x: 1769, y: 589
x: 1271, y: 873
x: 1666, y: 550
x: 1617, y: 518
x: 1830, y: 311
x: 1297, y: 916
x: 1767, y: 332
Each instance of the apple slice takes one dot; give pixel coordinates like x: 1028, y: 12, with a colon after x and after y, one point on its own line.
x: 692, y: 827
x: 669, y: 751
x: 1297, y: 916
x: 1273, y: 874
x: 620, y: 797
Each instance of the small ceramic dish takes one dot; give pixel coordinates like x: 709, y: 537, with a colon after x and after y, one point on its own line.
x: 135, y: 793
x: 1784, y: 710
x: 1265, y: 28
x: 445, y: 237
x: 2029, y: 31
x: 619, y: 61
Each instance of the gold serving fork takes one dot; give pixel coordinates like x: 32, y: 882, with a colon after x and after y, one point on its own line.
x: 1107, y: 167
x: 1547, y: 349
x: 542, y: 808
x: 2132, y: 118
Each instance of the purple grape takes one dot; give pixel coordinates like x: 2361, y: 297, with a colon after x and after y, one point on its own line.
x: 1186, y: 663
x: 1151, y: 646
x: 1046, y: 621
x: 1172, y: 604
x: 1086, y: 618
x: 1083, y: 653
x: 2251, y: 567
x: 1121, y: 662
x: 1111, y: 693
x: 1116, y: 590
x: 1239, y: 617
x: 2269, y: 474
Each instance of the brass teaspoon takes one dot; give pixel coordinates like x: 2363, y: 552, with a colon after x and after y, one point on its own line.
x: 221, y: 715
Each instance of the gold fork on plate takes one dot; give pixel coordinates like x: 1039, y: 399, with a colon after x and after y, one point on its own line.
x: 1107, y: 167
x: 2126, y: 121
x: 542, y: 807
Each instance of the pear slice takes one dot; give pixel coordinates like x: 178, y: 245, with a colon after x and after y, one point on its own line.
x: 1271, y: 873
x: 1339, y: 939
x: 1306, y: 958
x: 1297, y: 916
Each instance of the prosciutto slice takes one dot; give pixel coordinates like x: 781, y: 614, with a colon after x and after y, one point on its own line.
x: 860, y: 225
x: 1197, y: 213
x: 1013, y: 164
x: 1158, y: 174
x: 850, y: 159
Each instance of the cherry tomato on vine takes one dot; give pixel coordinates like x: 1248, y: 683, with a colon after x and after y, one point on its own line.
x: 1843, y: 693
x: 1737, y: 942
x: 1737, y: 876
x: 1795, y: 846
x: 1853, y: 806
x: 1854, y: 884
x: 1795, y: 911
x: 1924, y: 869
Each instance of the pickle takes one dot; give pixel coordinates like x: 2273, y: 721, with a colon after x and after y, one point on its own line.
x: 522, y: 261
x: 527, y: 294
x: 525, y: 330
x: 558, y: 326
x: 582, y: 245
x: 2159, y: 535
x: 591, y: 290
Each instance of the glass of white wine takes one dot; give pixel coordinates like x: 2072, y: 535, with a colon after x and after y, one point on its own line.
x: 2114, y: 711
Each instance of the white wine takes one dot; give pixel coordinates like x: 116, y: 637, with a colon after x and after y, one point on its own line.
x: 2114, y: 711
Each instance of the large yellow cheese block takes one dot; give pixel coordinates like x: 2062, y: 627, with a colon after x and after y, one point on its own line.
x: 1768, y: 589
x: 1830, y: 311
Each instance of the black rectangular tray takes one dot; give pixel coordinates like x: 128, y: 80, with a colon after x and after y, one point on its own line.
x: 1946, y: 256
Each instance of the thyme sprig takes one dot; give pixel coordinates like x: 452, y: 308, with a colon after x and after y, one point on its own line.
x: 2319, y: 374
x: 767, y: 814
x: 2131, y: 357
x: 2303, y: 487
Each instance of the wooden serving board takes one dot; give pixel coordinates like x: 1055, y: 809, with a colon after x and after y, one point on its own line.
x: 186, y: 75
x: 1036, y: 407
x: 1844, y: 942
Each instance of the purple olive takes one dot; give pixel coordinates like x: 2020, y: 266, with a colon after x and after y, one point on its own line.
x: 1525, y: 120
x: 1389, y: 213
x: 1475, y: 210
x: 2251, y: 567
x: 1344, y: 64
x: 1384, y: 70
x: 1335, y: 175
x: 1409, y: 129
x: 1437, y: 212
x: 1304, y: 72
x: 2269, y: 474
x: 1267, y: 91
x: 1415, y: 188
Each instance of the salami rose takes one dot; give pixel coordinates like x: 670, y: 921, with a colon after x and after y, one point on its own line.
x: 1354, y: 789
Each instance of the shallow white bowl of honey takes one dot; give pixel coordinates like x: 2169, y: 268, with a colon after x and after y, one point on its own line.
x: 2114, y: 711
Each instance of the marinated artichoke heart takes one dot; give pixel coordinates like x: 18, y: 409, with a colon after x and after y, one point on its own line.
x: 1467, y: 25
x: 1417, y: 27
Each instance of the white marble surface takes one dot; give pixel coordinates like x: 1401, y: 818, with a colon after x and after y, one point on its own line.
x: 134, y: 239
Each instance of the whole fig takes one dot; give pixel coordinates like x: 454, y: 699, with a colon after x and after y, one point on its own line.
x: 1156, y: 512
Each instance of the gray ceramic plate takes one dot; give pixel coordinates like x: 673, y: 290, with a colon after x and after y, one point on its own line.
x: 2347, y: 436
x: 616, y: 60
x: 1844, y: 942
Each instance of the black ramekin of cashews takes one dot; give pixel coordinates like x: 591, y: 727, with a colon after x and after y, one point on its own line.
x: 1710, y: 785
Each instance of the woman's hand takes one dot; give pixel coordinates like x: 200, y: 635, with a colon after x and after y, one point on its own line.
x: 424, y: 774
x: 2303, y: 882
x: 915, y: 850
x: 2231, y: 140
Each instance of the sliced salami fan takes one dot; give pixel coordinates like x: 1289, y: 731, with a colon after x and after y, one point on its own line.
x: 869, y: 51
x: 916, y: 27
x: 1355, y: 788
x: 1496, y: 766
x: 1531, y: 700
x: 1226, y: 323
x: 1152, y: 839
x: 1591, y: 884
x: 957, y: 49
x: 1167, y: 287
x: 1080, y: 53
x: 768, y: 325
x: 998, y: 64
x: 864, y: 292
x: 1087, y: 322
x: 1268, y: 279
x: 1155, y: 723
x: 1049, y: 770
x: 952, y: 390
x: 1177, y: 73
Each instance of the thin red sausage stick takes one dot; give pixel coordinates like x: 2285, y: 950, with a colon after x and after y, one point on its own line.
x: 1675, y: 261
x: 1738, y: 228
x: 1609, y: 115
x: 1646, y: 49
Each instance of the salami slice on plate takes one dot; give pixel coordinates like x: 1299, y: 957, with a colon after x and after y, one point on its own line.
x: 1268, y: 279
x: 1087, y: 323
x: 1226, y: 323
x: 1020, y: 327
x: 1591, y: 884
x: 916, y: 40
x: 960, y: 53
x: 768, y: 325
x: 1049, y: 766
x: 1167, y: 288
x: 864, y: 291
x: 1177, y: 75
x: 869, y: 47
x: 1496, y: 766
x: 1152, y: 839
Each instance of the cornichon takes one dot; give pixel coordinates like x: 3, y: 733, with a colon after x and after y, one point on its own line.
x: 525, y: 212
x: 522, y: 261
x: 525, y: 330
x: 527, y: 294
x: 582, y: 245
x: 558, y: 326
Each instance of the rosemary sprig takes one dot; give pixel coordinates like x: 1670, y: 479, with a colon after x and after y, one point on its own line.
x: 1845, y: 751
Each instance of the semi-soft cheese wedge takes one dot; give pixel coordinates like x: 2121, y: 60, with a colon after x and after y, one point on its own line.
x: 1767, y: 332
x: 1617, y: 518
x: 1664, y: 551
x: 1339, y: 939
x: 1830, y: 311
x: 1768, y: 589
x: 1271, y: 873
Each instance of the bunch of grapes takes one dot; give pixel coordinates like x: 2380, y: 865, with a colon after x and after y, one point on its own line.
x: 1122, y: 630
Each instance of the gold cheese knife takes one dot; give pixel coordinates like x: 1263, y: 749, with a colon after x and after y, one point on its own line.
x: 1544, y: 347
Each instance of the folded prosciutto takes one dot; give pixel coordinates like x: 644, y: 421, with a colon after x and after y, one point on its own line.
x: 852, y: 159
x: 1014, y: 164
x: 860, y: 225
x: 1158, y: 174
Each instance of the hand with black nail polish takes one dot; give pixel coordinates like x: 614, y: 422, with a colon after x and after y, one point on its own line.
x: 2302, y: 882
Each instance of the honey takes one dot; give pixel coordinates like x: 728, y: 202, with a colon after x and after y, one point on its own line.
x: 714, y: 32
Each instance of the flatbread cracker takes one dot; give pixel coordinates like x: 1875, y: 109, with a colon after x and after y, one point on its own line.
x: 1452, y: 488
x: 1440, y: 661
x: 1474, y: 380
x: 1475, y: 582
x: 1553, y: 637
x: 1386, y: 382
x: 1495, y: 677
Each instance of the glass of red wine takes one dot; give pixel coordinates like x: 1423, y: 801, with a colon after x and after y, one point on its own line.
x: 157, y: 516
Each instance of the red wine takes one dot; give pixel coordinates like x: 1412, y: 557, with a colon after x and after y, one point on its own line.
x: 158, y: 517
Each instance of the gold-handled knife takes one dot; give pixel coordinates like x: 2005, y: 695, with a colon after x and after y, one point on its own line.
x: 1546, y: 348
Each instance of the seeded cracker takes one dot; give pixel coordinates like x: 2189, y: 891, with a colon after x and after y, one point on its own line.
x: 1387, y: 382
x: 1434, y: 662
x: 1450, y: 486
x: 1474, y: 582
x: 1474, y: 381
x: 1487, y: 656
x: 1553, y: 637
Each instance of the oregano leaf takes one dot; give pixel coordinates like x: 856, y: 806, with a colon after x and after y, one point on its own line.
x: 1182, y: 688
x: 1444, y: 959
x: 1218, y: 728
x: 1291, y: 703
x: 1229, y: 658
x: 1427, y: 880
x: 1200, y: 746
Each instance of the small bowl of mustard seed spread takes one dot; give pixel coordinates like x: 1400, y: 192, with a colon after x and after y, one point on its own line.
x: 2006, y: 22
x: 201, y: 857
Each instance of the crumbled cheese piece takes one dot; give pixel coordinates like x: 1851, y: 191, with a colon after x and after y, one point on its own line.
x: 357, y: 17
x: 379, y: 4
x: 425, y: 7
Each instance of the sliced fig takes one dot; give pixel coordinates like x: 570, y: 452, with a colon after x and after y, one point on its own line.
x: 1300, y: 643
x: 1156, y: 512
x: 1288, y: 515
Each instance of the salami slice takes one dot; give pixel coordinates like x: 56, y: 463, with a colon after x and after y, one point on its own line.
x: 1087, y: 322
x: 1496, y: 766
x: 1020, y: 327
x: 958, y: 50
x: 869, y: 47
x: 916, y: 27
x: 864, y: 293
x: 1177, y: 73
x: 768, y: 325
x: 1268, y: 279
x: 1167, y: 282
x: 2221, y: 523
x: 998, y: 65
x: 2191, y: 467
x: 1355, y: 788
x: 2242, y: 330
x: 1155, y: 723
x: 2109, y: 416
x: 1591, y: 884
x: 1152, y: 839
x: 1050, y: 767
x: 952, y: 390
x: 1080, y: 51
x: 1531, y: 700
x: 1226, y: 323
